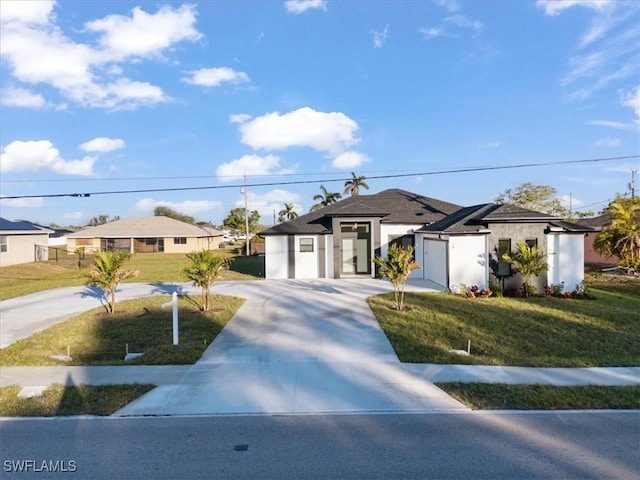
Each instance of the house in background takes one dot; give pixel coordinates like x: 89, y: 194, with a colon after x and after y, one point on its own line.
x: 453, y: 244
x: 590, y: 254
x: 155, y: 234
x: 23, y: 242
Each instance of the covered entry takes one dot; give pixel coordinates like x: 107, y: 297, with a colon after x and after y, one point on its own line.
x: 355, y: 248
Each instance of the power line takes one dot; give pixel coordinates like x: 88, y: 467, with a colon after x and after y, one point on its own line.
x: 327, y: 180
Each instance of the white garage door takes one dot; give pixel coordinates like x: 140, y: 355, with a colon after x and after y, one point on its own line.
x: 435, y: 261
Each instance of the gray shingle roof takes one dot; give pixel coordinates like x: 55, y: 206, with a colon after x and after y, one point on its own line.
x: 391, y: 206
x: 142, y: 227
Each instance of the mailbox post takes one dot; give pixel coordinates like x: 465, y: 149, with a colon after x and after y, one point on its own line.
x: 174, y: 303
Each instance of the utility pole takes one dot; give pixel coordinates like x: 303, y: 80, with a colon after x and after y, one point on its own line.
x: 632, y: 184
x: 246, y: 214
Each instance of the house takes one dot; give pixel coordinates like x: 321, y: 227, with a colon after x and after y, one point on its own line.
x: 22, y: 242
x: 156, y: 234
x: 590, y: 254
x: 453, y: 244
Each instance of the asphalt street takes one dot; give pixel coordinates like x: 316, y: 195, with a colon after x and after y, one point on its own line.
x: 470, y: 445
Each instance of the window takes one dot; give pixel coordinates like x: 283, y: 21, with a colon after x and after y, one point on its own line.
x: 179, y: 240
x: 531, y: 242
x: 3, y: 243
x: 306, y: 245
x: 402, y: 241
x: 504, y: 268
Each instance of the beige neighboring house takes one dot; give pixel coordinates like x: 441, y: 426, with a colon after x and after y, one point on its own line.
x: 145, y: 235
x: 23, y: 242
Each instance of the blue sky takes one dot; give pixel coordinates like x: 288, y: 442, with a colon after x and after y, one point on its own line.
x: 111, y: 96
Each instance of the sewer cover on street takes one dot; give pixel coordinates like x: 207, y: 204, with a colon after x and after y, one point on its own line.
x: 241, y: 448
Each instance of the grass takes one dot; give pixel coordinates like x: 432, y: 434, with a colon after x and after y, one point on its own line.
x: 482, y: 396
x: 16, y: 280
x: 60, y: 400
x: 96, y: 338
x: 544, y: 332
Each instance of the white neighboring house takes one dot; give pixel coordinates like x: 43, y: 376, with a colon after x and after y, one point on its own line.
x: 454, y: 245
x: 22, y: 242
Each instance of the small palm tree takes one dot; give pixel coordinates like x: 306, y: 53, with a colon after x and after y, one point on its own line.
x: 325, y: 198
x: 621, y: 237
x: 204, y: 269
x: 352, y: 187
x: 397, y: 267
x: 529, y: 261
x: 107, y: 272
x: 287, y: 213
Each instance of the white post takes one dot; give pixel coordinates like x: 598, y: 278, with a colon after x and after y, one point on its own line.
x: 174, y: 304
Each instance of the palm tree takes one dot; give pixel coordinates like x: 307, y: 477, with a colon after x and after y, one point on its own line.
x: 325, y: 198
x: 352, y: 187
x: 107, y: 272
x: 529, y: 261
x: 621, y: 237
x: 205, y: 268
x: 397, y: 267
x: 287, y: 213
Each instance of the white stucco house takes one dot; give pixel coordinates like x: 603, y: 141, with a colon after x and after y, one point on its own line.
x: 22, y: 242
x: 453, y: 244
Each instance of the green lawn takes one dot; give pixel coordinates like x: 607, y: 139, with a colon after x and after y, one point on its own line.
x: 545, y: 332
x: 60, y: 400
x: 484, y: 396
x: 95, y: 338
x: 16, y: 280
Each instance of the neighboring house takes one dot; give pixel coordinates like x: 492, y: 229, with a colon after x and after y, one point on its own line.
x: 453, y: 244
x: 22, y: 242
x: 590, y: 254
x: 156, y: 234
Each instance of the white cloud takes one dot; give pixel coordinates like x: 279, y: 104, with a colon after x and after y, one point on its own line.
x: 21, y: 97
x: 37, y: 51
x: 631, y: 99
x: 249, y: 165
x: 494, y: 144
x: 144, y: 34
x: 607, y: 142
x: 380, y: 36
x: 433, y: 32
x: 268, y: 203
x: 32, y: 156
x: 569, y: 201
x: 213, y: 77
x: 37, y: 13
x: 612, y: 124
x: 451, y: 5
x: 239, y: 118
x: 299, y: 6
x: 188, y: 207
x: 330, y: 132
x: 72, y: 215
x: 555, y: 7
x: 351, y: 159
x: 463, y: 21
x: 34, y: 202
x: 102, y: 145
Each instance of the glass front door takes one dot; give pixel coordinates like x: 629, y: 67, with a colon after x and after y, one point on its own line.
x: 355, y: 248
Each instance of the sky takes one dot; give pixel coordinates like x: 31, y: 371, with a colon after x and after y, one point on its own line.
x: 117, y: 107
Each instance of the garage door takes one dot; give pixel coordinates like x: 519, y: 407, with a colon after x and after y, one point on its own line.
x: 435, y: 261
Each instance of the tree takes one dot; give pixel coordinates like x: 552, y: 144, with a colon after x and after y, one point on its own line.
x: 101, y: 220
x: 204, y: 269
x: 325, y: 198
x: 287, y: 213
x: 397, y: 267
x: 107, y: 271
x: 352, y: 187
x: 235, y: 220
x: 621, y: 235
x: 529, y: 261
x: 161, y: 211
x: 541, y: 198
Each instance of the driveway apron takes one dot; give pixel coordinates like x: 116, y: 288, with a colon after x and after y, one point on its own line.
x: 298, y: 347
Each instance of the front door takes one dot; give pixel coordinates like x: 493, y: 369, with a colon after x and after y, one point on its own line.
x: 355, y: 248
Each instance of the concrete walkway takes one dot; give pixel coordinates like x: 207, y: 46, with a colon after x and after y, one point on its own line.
x: 294, y: 347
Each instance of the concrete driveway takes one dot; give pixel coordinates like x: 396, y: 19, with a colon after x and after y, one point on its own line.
x: 294, y: 347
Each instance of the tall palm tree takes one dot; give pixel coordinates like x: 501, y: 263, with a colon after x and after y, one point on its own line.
x: 325, y: 198
x: 107, y: 272
x: 352, y: 187
x: 621, y: 237
x: 204, y: 269
x: 287, y: 213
